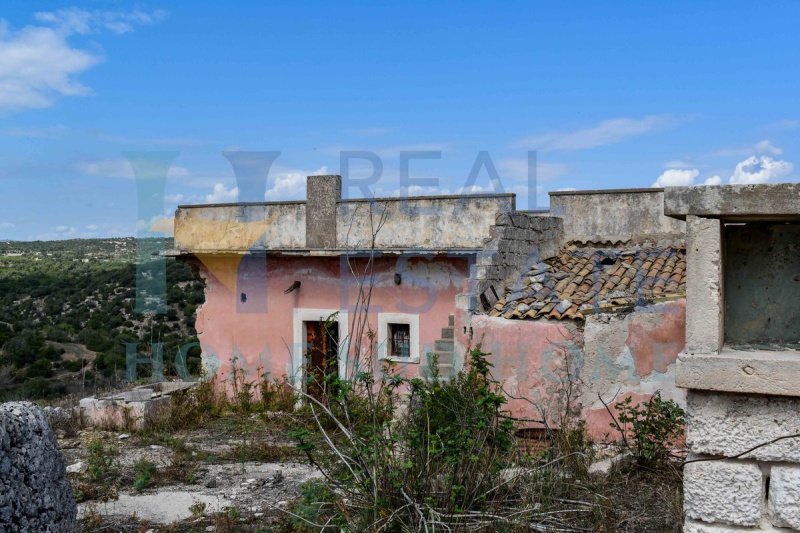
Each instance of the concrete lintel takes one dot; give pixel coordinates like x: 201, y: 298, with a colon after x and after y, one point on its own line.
x: 731, y: 202
x: 750, y: 372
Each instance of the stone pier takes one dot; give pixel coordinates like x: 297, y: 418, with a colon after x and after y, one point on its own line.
x: 741, y: 364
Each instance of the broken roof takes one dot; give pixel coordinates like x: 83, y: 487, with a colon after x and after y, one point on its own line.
x: 581, y: 281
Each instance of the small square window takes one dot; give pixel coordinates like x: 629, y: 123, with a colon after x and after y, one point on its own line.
x: 399, y: 340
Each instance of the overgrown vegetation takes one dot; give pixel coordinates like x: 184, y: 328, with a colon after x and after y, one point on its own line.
x: 402, y: 454
x: 67, y: 308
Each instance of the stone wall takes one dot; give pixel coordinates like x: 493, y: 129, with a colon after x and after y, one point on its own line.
x: 326, y: 222
x: 743, y: 404
x: 35, y: 495
x: 517, y: 241
x: 759, y: 490
x: 435, y: 223
x: 615, y: 214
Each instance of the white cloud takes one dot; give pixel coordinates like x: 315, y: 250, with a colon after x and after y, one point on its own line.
x: 678, y: 163
x: 121, y: 168
x: 760, y: 169
x: 92, y: 227
x: 604, y: 133
x: 291, y: 184
x: 766, y: 147
x: 7, y: 225
x: 75, y: 20
x: 754, y: 169
x: 677, y: 177
x: 762, y: 147
x: 222, y: 195
x: 38, y: 63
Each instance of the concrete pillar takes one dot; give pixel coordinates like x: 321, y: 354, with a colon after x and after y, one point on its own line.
x: 704, y: 286
x: 323, y: 194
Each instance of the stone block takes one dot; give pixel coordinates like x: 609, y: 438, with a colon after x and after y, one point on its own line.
x: 704, y: 299
x: 323, y: 195
x: 728, y: 424
x: 769, y: 372
x: 784, y: 496
x: 727, y: 492
x: 502, y: 219
x: 700, y: 527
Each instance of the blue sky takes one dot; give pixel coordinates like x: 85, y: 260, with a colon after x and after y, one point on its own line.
x: 625, y: 95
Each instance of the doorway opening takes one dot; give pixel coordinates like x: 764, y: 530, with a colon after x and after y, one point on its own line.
x: 321, y: 357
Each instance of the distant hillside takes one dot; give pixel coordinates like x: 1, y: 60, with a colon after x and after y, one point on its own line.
x: 68, y: 307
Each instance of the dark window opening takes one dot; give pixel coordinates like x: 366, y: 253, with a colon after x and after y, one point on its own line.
x: 399, y: 340
x: 761, y: 266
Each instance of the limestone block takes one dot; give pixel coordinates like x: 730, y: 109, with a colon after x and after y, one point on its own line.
x: 700, y: 527
x: 727, y: 492
x: 728, y: 424
x: 784, y: 496
x: 704, y: 301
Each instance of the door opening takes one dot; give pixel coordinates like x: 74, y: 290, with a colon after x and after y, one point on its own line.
x: 321, y: 357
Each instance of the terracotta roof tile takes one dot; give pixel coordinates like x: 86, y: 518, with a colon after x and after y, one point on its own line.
x: 581, y: 281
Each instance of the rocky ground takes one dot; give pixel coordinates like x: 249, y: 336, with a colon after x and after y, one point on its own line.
x: 237, y: 474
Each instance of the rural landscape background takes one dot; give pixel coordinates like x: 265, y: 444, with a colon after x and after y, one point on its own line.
x: 67, y: 310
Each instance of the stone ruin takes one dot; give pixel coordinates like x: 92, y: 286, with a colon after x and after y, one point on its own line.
x: 35, y: 494
x: 131, y: 410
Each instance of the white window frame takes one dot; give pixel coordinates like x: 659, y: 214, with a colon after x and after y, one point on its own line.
x: 384, y: 319
x: 302, y: 315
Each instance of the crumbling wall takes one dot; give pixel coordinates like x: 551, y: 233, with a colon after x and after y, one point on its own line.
x: 517, y: 242
x: 35, y: 494
x: 605, y: 359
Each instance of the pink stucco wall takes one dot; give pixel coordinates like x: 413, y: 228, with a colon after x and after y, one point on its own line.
x: 259, y: 332
x: 609, y: 357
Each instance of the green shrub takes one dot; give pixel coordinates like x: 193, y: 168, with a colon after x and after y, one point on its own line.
x: 101, y: 461
x: 650, y: 429
x: 443, y: 452
x: 143, y: 472
x: 36, y: 388
x: 314, y: 506
x: 277, y: 394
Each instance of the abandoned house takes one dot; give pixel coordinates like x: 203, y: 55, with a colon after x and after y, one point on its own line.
x: 591, y: 292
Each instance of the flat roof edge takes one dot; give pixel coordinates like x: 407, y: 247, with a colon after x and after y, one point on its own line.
x: 607, y: 191
x: 359, y: 200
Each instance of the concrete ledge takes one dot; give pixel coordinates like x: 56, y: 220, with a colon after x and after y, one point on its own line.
x: 757, y: 372
x: 781, y: 200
